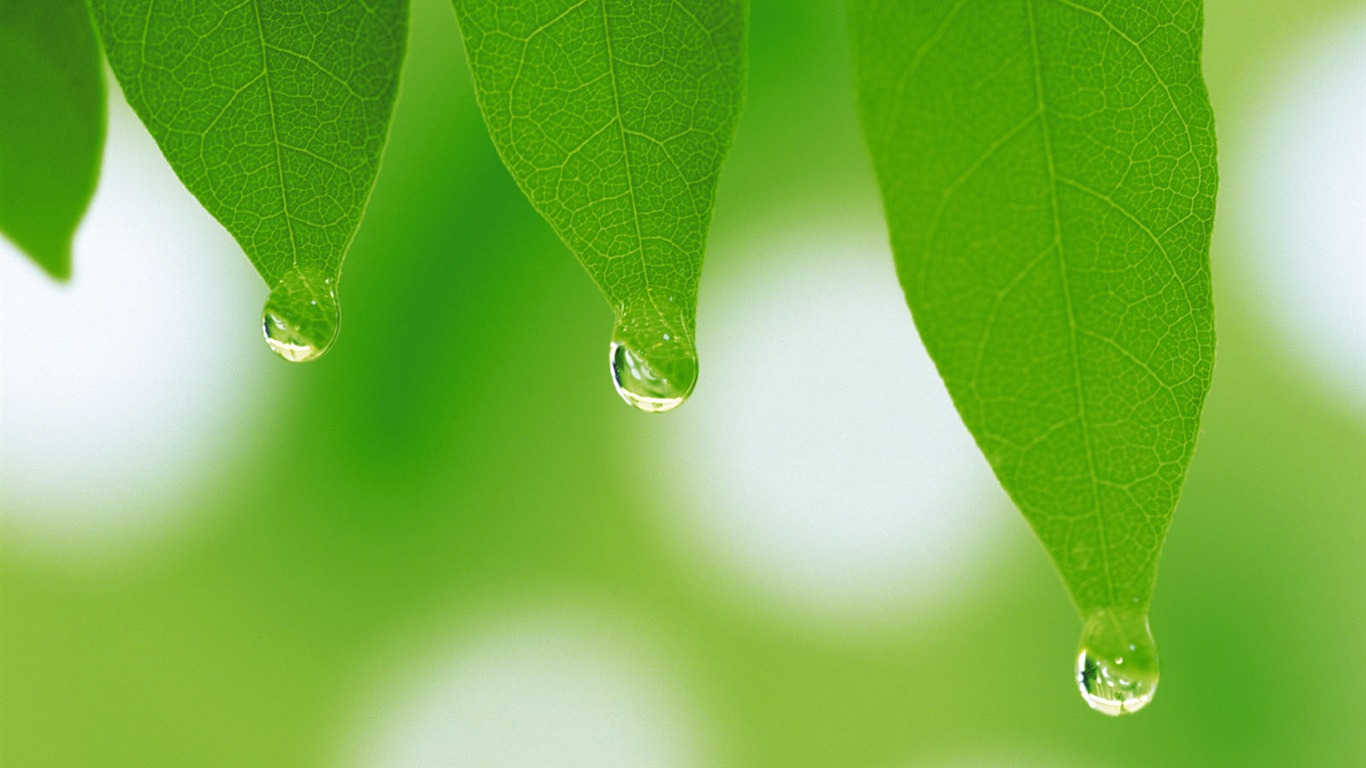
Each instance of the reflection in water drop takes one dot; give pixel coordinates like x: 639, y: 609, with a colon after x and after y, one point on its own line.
x: 651, y: 386
x: 1117, y: 669
x: 301, y: 318
x: 654, y: 364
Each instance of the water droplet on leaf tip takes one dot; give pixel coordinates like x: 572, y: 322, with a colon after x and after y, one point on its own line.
x: 1117, y: 668
x: 298, y: 322
x: 653, y: 386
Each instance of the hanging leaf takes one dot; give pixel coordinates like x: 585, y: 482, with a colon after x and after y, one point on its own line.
x: 1047, y: 168
x: 274, y: 114
x: 53, y: 131
x: 614, y: 117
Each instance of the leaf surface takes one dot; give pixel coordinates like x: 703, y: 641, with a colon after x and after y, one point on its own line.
x: 52, y: 133
x: 1048, y: 173
x: 274, y: 113
x: 614, y: 117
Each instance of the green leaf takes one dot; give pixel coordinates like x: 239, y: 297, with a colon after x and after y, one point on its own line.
x: 53, y: 130
x: 1047, y: 168
x: 274, y: 113
x: 614, y: 117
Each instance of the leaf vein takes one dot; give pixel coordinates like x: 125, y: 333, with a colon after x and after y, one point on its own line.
x: 1067, y: 295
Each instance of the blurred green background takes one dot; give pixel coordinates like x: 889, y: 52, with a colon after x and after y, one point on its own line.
x: 449, y: 543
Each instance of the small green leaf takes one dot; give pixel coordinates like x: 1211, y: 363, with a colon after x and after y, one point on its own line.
x: 1047, y: 168
x: 53, y: 129
x: 274, y: 113
x: 614, y: 117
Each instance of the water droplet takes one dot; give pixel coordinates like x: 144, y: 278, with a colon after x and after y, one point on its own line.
x: 653, y: 368
x: 1117, y: 668
x: 651, y: 384
x: 301, y: 317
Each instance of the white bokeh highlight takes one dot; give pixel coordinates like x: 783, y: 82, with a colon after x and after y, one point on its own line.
x: 821, y: 463
x: 539, y: 689
x: 124, y: 390
x: 1300, y: 193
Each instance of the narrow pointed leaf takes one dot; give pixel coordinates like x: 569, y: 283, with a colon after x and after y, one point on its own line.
x: 1048, y: 173
x: 614, y: 117
x: 274, y: 114
x: 52, y: 133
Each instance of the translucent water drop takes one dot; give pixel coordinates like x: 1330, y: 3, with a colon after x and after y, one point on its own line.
x: 1117, y: 668
x: 651, y: 386
x: 301, y: 317
x: 654, y: 365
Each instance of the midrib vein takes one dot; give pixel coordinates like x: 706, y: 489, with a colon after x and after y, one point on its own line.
x: 1067, y: 297
x: 275, y: 133
x: 625, y: 150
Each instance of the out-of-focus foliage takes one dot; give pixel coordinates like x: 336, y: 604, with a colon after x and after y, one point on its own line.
x: 52, y: 129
